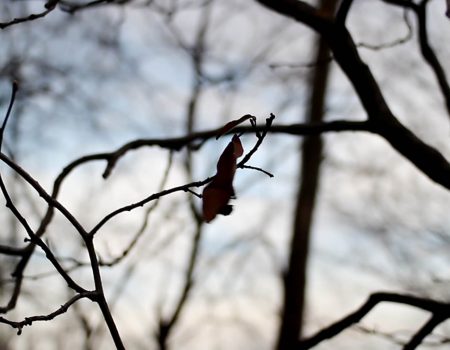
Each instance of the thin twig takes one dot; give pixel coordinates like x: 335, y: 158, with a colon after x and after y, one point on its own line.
x: 427, y: 51
x: 144, y: 224
x: 28, y: 18
x: 41, y: 191
x: 9, y: 204
x: 402, y: 40
x: 72, y: 7
x: 308, y: 65
x: 146, y: 200
x: 258, y: 169
x: 8, y: 112
x: 198, y: 195
x: 28, y: 321
x: 247, y: 157
x: 430, y: 56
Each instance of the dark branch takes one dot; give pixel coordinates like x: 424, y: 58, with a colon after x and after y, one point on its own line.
x: 100, y: 298
x: 439, y: 309
x: 166, y: 326
x: 32, y: 17
x: 430, y: 56
x: 8, y: 112
x: 72, y: 7
x: 383, y: 122
x: 343, y: 11
x: 41, y: 191
x: 179, y: 142
x: 428, y: 53
x: 403, y: 3
x: 435, y: 320
x: 28, y: 321
x: 399, y: 41
x: 144, y: 224
x: 300, y: 11
x: 257, y: 169
x: 146, y: 200
x: 171, y: 144
x: 10, y: 205
x: 34, y: 238
x: 261, y: 137
x: 8, y: 250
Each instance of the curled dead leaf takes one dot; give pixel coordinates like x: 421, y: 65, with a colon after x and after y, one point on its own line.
x: 215, y: 201
x: 219, y: 191
x: 231, y: 125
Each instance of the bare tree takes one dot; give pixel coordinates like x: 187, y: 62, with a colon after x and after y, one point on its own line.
x: 336, y: 43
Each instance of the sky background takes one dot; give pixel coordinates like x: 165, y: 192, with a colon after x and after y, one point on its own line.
x: 95, y: 80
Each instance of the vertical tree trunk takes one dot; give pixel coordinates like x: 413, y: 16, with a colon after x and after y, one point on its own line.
x: 310, y: 158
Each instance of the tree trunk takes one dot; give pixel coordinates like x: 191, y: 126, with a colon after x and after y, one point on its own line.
x: 295, y: 276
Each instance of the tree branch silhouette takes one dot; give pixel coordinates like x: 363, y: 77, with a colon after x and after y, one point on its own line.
x: 440, y: 312
x: 428, y: 53
x: 49, y: 7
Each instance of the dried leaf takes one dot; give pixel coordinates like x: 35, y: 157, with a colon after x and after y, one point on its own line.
x: 215, y: 201
x: 231, y: 125
x: 226, y: 166
x: 219, y: 191
x: 238, y: 150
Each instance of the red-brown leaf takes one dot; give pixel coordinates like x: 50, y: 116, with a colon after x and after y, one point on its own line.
x: 219, y: 191
x: 231, y: 125
x: 215, y: 200
x: 238, y: 150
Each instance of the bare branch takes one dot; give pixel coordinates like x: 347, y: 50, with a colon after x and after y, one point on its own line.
x: 435, y: 320
x: 26, y: 253
x: 41, y: 191
x: 343, y: 11
x: 430, y: 56
x: 383, y: 122
x: 72, y: 7
x: 300, y: 11
x: 399, y: 336
x: 144, y: 224
x: 257, y: 169
x: 8, y: 112
x: 404, y: 3
x: 100, y: 295
x: 8, y: 250
x: 28, y: 321
x: 171, y: 144
x: 178, y: 143
x: 261, y: 137
x: 305, y: 65
x: 50, y: 6
x: 48, y: 253
x: 428, y: 53
x: 146, y: 200
x: 165, y: 326
x: 438, y: 309
x: 408, y: 36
